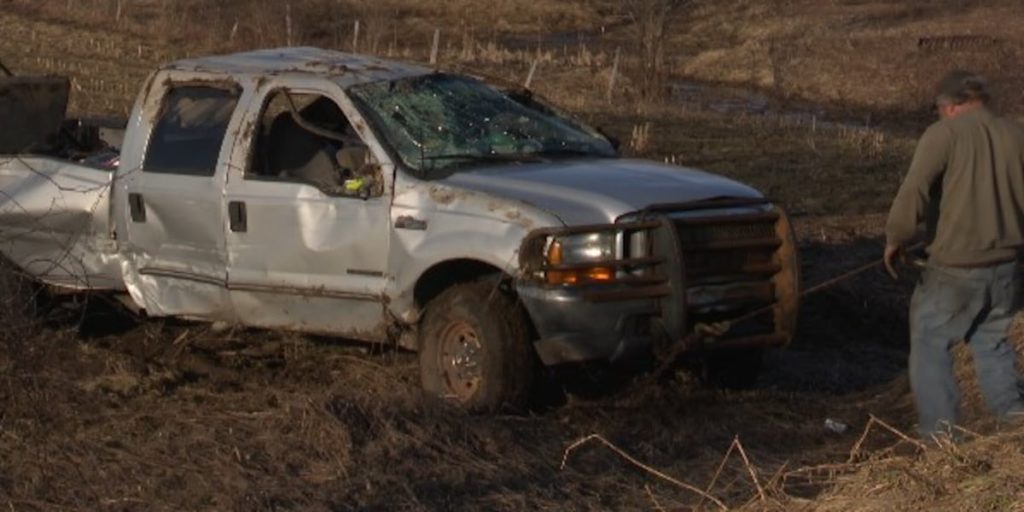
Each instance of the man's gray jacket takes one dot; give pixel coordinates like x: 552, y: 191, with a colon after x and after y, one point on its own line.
x: 966, y: 185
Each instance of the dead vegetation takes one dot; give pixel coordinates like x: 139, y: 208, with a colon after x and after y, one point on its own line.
x: 859, y: 54
x: 101, y: 411
x: 652, y: 19
x: 108, y: 412
x: 104, y: 411
x: 18, y: 303
x: 860, y: 57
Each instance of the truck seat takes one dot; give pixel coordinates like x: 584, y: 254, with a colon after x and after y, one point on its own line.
x: 294, y: 152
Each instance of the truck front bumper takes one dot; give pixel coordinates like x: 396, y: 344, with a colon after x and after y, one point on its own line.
x: 573, y: 328
x: 709, y: 263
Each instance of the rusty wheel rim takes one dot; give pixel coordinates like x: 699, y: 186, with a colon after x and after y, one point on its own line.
x: 460, y: 357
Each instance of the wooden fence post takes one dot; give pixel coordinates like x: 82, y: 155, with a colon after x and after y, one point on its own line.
x: 615, y: 71
x: 533, y: 69
x: 288, y: 23
x: 433, y: 49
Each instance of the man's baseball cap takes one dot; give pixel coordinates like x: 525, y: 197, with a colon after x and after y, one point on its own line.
x: 961, y: 86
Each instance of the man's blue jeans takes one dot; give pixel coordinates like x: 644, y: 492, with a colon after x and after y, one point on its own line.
x: 975, y: 305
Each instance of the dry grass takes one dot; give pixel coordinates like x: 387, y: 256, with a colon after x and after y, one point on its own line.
x: 110, y: 58
x: 114, y: 413
x: 856, y: 54
x: 103, y: 411
x: 863, y: 56
x: 887, y: 468
x: 111, y: 412
x: 18, y: 303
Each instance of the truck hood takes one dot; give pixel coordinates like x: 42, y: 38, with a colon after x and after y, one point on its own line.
x: 596, y: 191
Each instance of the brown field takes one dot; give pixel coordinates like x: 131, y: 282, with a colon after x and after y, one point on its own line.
x: 816, y: 103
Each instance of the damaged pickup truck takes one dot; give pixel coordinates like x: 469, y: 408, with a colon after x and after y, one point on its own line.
x: 323, y: 192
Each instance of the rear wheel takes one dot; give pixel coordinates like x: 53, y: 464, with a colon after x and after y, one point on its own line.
x: 475, y: 348
x: 734, y: 369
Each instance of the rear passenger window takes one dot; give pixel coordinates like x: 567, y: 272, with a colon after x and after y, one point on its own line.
x: 190, y: 130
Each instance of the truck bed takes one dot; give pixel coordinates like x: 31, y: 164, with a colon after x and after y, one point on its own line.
x: 55, y: 221
x: 55, y: 182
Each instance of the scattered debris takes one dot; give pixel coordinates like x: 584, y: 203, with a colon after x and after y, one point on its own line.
x: 836, y: 427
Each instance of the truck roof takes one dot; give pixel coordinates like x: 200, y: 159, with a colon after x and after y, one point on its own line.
x: 345, y: 68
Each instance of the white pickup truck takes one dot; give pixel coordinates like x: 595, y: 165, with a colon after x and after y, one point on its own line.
x: 346, y: 195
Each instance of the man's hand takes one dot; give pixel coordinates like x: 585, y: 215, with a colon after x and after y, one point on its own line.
x: 891, y: 253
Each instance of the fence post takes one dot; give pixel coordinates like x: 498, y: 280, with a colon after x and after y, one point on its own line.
x: 394, y: 37
x: 355, y: 37
x: 615, y: 71
x: 288, y: 23
x: 529, y: 77
x: 433, y: 49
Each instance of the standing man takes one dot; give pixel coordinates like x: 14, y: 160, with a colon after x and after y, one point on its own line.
x: 966, y: 186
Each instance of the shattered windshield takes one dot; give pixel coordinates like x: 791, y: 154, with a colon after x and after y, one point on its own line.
x: 442, y: 122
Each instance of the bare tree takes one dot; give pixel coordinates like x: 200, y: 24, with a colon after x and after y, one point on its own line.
x: 651, y: 18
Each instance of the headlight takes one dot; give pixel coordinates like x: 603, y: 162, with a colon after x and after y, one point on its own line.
x: 583, y: 248
x: 619, y: 252
x: 574, y: 259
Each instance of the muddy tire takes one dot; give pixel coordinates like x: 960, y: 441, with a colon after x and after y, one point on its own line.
x: 734, y: 369
x: 475, y: 349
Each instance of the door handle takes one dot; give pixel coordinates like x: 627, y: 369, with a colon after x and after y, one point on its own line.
x: 137, y: 207
x: 238, y: 217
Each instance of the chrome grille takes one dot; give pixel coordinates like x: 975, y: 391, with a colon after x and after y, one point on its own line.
x: 729, y: 263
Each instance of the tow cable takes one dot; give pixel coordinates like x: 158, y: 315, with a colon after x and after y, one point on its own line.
x: 710, y: 331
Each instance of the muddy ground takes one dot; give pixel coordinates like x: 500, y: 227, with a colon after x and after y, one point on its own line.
x: 101, y: 410
x: 105, y: 411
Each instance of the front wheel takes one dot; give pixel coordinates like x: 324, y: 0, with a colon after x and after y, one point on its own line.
x: 475, y: 348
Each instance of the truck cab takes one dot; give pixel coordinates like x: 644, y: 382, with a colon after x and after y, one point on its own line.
x: 322, y: 192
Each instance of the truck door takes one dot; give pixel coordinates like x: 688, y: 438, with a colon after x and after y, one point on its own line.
x: 308, y: 214
x: 174, y: 210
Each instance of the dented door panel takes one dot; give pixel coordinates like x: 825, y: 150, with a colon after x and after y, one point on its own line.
x: 306, y: 260
x: 297, y: 237
x: 178, y: 250
x: 173, y: 204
